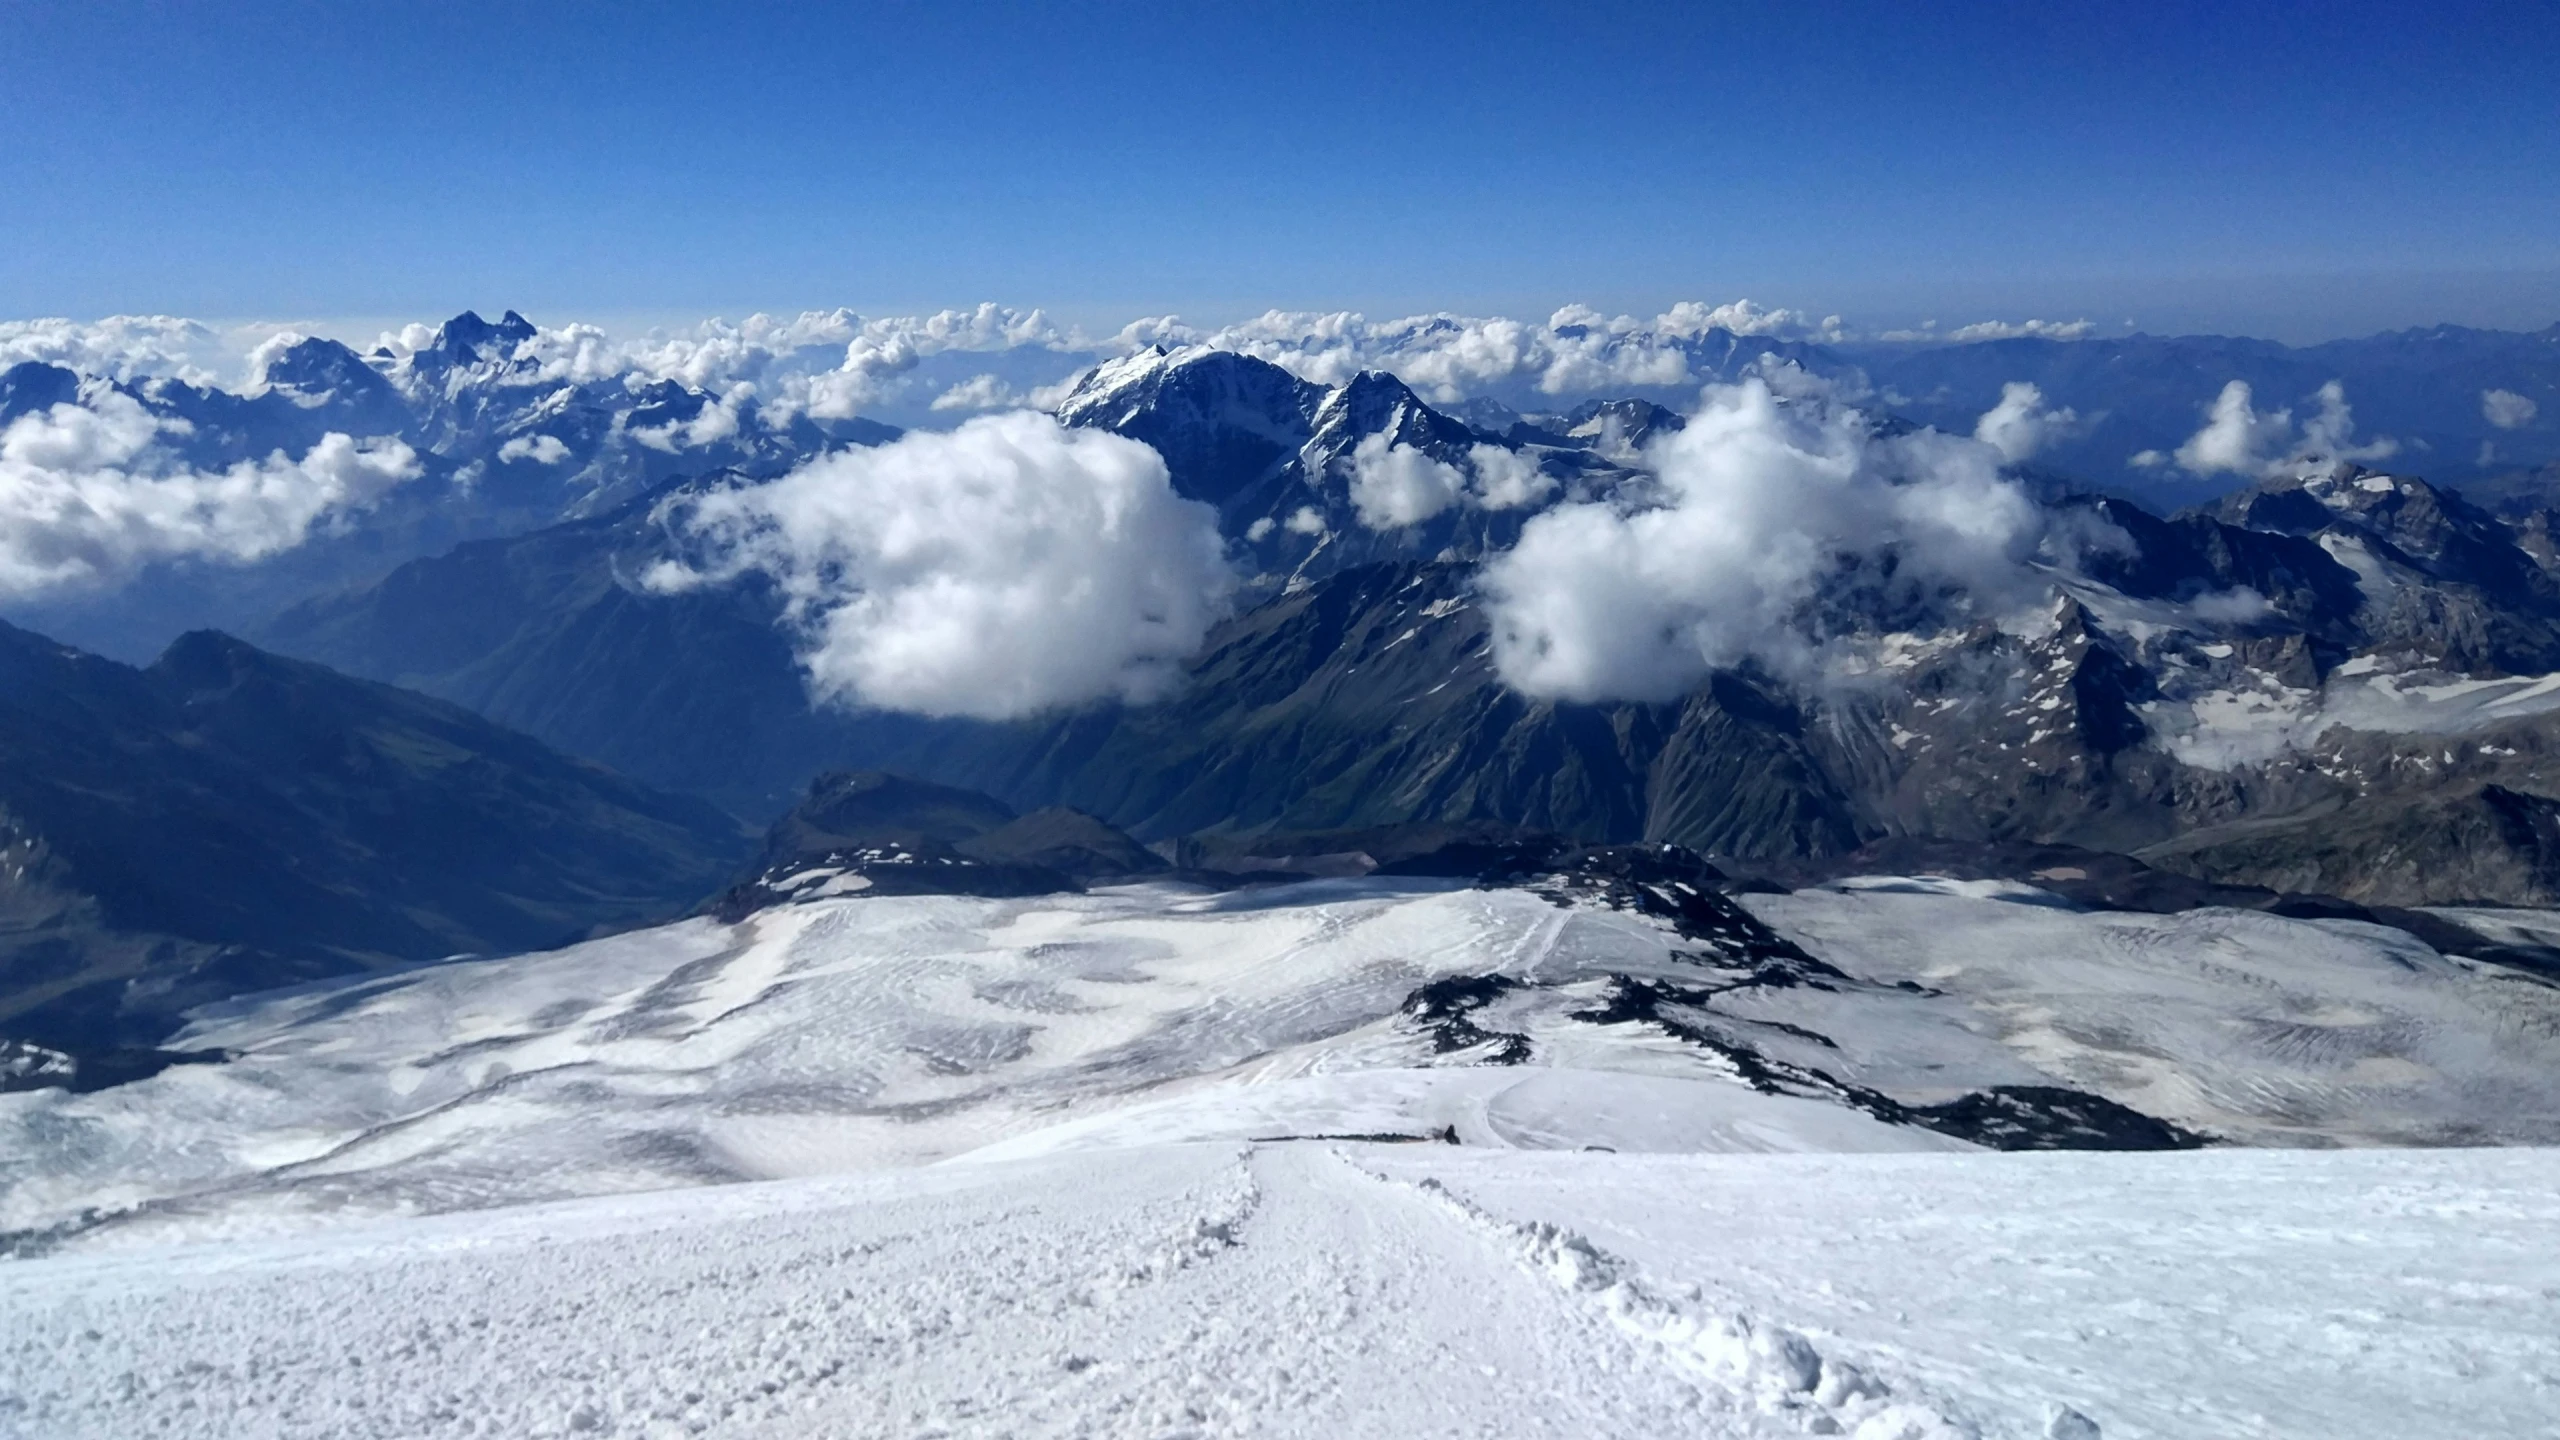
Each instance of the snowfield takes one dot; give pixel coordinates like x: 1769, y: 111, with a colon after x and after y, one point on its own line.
x: 1368, y: 1156
x: 873, y: 1032
x: 1331, y: 1289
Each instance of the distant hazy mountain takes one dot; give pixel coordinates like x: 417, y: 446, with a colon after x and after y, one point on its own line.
x: 551, y: 633
x: 512, y: 436
x: 2424, y: 389
x: 227, y: 820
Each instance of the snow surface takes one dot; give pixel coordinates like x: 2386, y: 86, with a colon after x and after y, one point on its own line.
x: 856, y: 1033
x: 870, y: 1032
x: 1326, y: 1289
x: 1154, y: 1161
x: 2247, y: 1026
x: 2226, y: 728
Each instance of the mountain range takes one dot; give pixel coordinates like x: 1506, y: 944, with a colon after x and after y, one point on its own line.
x: 514, y: 430
x: 506, y: 443
x: 2333, y: 681
x: 1357, y: 687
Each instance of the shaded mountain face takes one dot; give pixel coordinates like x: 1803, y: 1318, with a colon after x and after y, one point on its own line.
x: 870, y: 807
x: 870, y: 832
x: 2464, y: 842
x: 506, y: 442
x: 847, y: 810
x: 551, y: 633
x: 228, y: 820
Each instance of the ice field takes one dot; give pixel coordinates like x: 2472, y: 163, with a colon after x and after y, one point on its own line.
x: 1332, y: 1288
x: 1156, y: 1160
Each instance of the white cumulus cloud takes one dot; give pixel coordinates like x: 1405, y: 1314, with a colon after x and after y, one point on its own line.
x: 2022, y: 424
x: 2507, y: 410
x: 89, y: 493
x: 1929, y: 334
x: 716, y: 421
x: 1393, y: 486
x: 540, y: 449
x: 1764, y: 498
x: 978, y: 392
x: 1576, y: 350
x: 2023, y: 330
x: 1507, y: 479
x: 120, y: 347
x: 1006, y: 567
x: 2239, y: 439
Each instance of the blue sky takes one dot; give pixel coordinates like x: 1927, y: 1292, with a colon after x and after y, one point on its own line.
x: 2299, y: 170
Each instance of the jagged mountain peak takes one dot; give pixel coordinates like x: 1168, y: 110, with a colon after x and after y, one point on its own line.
x: 33, y: 385
x: 315, y: 363
x: 1374, y: 402
x: 1192, y: 383
x: 468, y: 334
x: 1618, y: 424
x: 324, y: 376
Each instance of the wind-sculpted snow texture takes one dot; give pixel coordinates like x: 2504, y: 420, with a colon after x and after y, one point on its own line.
x: 865, y: 1031
x: 1334, y: 1288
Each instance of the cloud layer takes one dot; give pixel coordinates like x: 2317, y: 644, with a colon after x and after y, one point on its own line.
x: 1003, y: 568
x: 1575, y: 351
x: 1397, y: 485
x: 932, y: 370
x: 2022, y: 424
x: 90, y: 494
x: 125, y: 347
x: 2239, y: 439
x: 2507, y: 410
x: 1765, y: 499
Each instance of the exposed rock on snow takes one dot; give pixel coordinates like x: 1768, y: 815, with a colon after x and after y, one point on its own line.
x: 1645, y: 1012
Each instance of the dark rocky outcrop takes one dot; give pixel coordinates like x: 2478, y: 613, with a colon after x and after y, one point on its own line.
x: 874, y: 833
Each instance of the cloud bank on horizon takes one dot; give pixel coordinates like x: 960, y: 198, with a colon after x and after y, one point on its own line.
x: 1012, y: 565
x: 90, y: 494
x: 834, y: 364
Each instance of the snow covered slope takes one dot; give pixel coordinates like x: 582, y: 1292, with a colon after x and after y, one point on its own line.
x: 869, y: 1032
x: 1328, y: 1289
x: 2247, y: 1026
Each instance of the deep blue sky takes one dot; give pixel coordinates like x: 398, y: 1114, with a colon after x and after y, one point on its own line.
x: 2294, y: 169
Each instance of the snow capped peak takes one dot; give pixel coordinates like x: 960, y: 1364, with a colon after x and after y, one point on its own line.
x: 315, y: 365
x: 1113, y: 381
x: 1375, y: 403
x: 1152, y: 393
